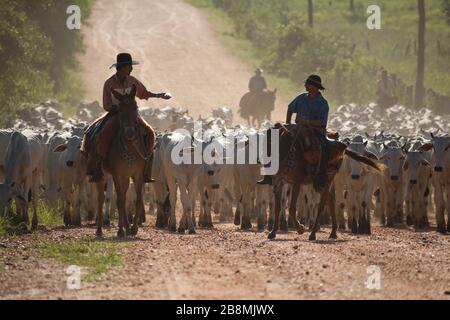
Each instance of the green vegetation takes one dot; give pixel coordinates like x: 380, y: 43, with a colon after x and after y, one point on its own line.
x: 49, y: 217
x: 275, y: 35
x: 38, y: 52
x: 97, y: 255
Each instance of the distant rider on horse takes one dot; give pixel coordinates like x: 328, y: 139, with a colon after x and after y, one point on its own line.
x: 312, y: 111
x: 121, y: 82
x: 257, y: 83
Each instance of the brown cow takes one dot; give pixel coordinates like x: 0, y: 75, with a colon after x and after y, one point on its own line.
x: 297, y: 175
x: 125, y: 161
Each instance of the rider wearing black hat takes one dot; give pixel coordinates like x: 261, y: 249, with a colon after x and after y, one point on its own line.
x: 312, y: 111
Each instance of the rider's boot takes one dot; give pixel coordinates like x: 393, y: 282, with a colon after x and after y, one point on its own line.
x: 94, y: 168
x: 148, y: 170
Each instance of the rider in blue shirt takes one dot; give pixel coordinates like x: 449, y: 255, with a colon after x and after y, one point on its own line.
x: 312, y: 111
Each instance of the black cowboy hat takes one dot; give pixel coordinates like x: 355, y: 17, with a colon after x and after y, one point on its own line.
x: 315, y: 81
x: 124, y: 59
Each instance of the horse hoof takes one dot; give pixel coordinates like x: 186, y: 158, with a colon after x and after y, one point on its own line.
x: 441, y: 229
x: 191, y: 232
x: 134, y: 230
x: 99, y: 232
x: 272, y: 235
x: 333, y: 235
x: 181, y: 230
x: 121, y: 234
x: 172, y: 228
x: 312, y: 237
x: 301, y: 229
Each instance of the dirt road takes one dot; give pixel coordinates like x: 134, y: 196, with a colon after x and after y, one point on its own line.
x: 178, y: 52
x: 226, y: 263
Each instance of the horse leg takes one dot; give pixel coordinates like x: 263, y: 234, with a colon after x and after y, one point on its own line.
x: 100, y: 200
x: 140, y: 210
x: 277, y: 193
x: 292, y: 220
x: 332, y: 207
x: 122, y: 185
x: 316, y: 227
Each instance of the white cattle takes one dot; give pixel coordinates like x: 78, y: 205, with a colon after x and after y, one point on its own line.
x: 185, y: 176
x: 440, y: 164
x: 73, y: 179
x: 360, y: 183
x: 392, y: 183
x: 223, y: 113
x: 5, y: 137
x: 417, y: 173
x: 23, y: 171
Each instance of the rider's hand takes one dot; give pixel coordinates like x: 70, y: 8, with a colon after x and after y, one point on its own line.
x: 165, y: 96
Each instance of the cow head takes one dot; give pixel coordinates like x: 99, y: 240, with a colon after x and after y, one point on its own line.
x: 414, y: 162
x: 71, y: 149
x: 440, y: 147
x: 393, y: 157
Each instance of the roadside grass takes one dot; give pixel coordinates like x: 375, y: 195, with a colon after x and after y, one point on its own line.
x: 49, y: 217
x: 96, y: 256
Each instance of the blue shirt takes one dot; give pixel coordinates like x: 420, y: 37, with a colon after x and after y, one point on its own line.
x: 305, y: 108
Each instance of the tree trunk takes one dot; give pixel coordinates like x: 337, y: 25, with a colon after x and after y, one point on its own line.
x: 420, y: 90
x: 310, y: 14
x: 352, y: 6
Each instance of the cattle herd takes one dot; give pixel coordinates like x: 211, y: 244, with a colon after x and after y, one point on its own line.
x: 40, y: 160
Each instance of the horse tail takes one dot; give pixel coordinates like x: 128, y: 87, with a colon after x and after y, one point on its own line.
x: 370, y: 162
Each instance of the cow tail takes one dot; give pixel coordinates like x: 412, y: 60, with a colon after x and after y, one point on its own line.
x: 370, y: 162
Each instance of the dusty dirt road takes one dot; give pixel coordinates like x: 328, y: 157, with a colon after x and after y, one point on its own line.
x: 226, y: 263
x: 178, y: 52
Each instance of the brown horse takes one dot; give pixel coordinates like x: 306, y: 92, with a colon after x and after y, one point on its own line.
x: 293, y: 138
x: 256, y: 107
x: 125, y: 161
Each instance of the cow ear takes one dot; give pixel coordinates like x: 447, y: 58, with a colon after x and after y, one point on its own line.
x: 365, y: 143
x: 425, y: 147
x: 60, y: 148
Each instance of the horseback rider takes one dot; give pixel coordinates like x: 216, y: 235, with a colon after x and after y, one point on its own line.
x: 257, y: 83
x: 312, y: 111
x: 386, y: 97
x: 121, y: 82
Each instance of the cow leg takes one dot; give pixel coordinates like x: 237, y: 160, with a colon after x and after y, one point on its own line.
x: 34, y: 198
x: 237, y: 213
x: 277, y: 194
x: 171, y: 184
x: 440, y: 207
x: 262, y: 215
x: 140, y: 210
x: 448, y: 209
x: 208, y: 207
x: 100, y: 186
x: 245, y: 220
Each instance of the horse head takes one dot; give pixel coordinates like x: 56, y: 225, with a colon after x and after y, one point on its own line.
x: 128, y: 113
